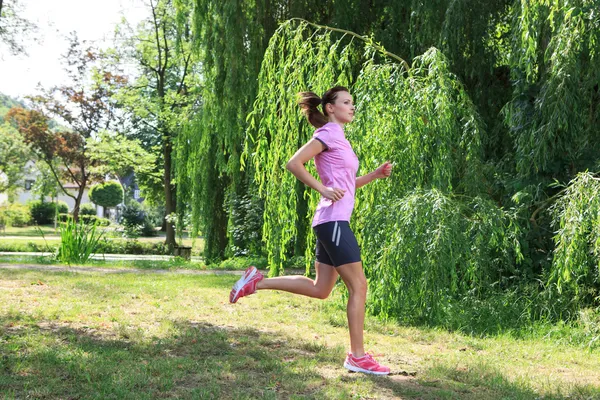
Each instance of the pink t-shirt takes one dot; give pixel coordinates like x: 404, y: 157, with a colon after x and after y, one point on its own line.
x: 337, y: 167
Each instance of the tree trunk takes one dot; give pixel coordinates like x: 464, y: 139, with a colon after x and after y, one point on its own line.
x: 169, y: 193
x: 78, y: 199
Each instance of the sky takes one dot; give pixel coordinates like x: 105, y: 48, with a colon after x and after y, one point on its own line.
x: 93, y: 21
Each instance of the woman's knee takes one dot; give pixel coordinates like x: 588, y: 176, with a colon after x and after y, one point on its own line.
x: 358, y: 287
x: 322, y: 292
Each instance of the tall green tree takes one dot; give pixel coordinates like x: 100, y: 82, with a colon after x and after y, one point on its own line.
x: 163, y: 95
x: 480, y: 128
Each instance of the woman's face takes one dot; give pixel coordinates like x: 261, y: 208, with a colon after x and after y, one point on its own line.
x: 342, y: 111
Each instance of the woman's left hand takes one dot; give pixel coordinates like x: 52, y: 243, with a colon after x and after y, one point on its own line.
x: 384, y: 171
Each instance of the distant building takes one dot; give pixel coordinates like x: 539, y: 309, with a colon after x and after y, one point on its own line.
x: 25, y: 194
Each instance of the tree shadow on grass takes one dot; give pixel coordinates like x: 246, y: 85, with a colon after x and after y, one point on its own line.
x: 42, y: 359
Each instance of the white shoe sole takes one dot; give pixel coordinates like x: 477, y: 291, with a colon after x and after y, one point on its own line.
x: 364, y: 371
x: 241, y: 283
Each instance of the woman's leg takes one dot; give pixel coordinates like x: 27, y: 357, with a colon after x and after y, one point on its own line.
x: 319, y: 288
x: 354, y: 277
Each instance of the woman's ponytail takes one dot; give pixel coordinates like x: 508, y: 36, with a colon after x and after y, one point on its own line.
x: 309, y: 103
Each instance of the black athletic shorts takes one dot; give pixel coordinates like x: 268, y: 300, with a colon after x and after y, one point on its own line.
x: 336, y: 244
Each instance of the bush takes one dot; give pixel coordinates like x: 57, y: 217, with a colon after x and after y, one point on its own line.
x: 132, y: 247
x: 87, y: 209
x: 43, y: 213
x: 15, y: 215
x: 240, y: 263
x: 108, y: 194
x: 136, y: 221
x: 132, y: 214
x: 91, y: 219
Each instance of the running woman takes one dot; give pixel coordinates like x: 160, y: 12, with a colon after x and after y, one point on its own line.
x: 337, y: 251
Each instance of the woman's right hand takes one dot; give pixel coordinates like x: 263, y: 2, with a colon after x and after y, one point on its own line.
x: 333, y: 194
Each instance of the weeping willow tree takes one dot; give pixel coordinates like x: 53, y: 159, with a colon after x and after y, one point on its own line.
x: 553, y: 121
x: 478, y: 132
x: 430, y: 232
x: 230, y: 44
x: 576, y: 267
x: 554, y: 113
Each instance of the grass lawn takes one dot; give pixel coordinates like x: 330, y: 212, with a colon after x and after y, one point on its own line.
x: 149, y: 336
x: 54, y: 240
x: 173, y: 264
x: 30, y: 230
x: 23, y: 242
x: 48, y: 230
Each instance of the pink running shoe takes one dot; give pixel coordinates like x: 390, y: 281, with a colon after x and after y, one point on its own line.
x: 246, y: 285
x: 365, y: 364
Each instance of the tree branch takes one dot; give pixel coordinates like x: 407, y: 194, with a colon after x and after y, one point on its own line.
x: 56, y: 177
x: 356, y: 35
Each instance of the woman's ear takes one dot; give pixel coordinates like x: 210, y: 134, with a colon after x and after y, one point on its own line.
x: 329, y: 108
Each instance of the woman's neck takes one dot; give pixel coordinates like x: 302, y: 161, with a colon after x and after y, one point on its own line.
x: 333, y: 120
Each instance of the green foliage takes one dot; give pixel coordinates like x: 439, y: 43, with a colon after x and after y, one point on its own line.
x: 26, y: 246
x: 116, y: 154
x: 553, y: 116
x: 164, y: 95
x: 6, y: 103
x: 107, y: 194
x: 43, y: 213
x: 575, y: 266
x: 245, y: 225
x: 15, y: 214
x: 87, y: 213
x: 14, y: 154
x: 427, y: 249
x: 136, y: 221
x: 78, y: 241
x: 132, y: 246
x: 93, y: 219
x: 87, y: 209
x: 296, y: 60
x: 477, y: 131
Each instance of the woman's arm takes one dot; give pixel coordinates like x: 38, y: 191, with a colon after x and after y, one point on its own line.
x: 296, y: 166
x: 384, y: 171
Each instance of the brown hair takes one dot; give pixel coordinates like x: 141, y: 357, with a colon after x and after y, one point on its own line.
x: 309, y: 103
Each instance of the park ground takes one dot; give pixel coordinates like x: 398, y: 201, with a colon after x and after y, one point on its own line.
x: 137, y: 334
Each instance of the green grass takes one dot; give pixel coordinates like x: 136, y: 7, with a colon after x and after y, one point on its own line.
x: 50, y: 243
x: 148, y: 336
x: 174, y: 264
x: 48, y: 230
x: 30, y: 230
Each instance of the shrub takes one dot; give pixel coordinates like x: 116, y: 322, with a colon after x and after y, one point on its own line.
x: 15, y: 215
x: 107, y: 194
x: 132, y: 214
x: 132, y: 247
x: 87, y: 209
x: 91, y: 219
x: 43, y: 213
x: 136, y: 221
x: 239, y: 263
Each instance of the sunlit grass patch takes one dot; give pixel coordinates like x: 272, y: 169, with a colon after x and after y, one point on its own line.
x: 168, y: 335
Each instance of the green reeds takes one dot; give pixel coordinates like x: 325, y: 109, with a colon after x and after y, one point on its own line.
x: 78, y: 241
